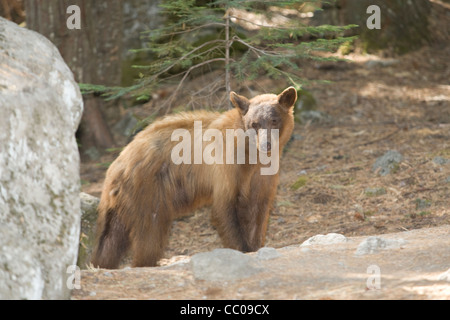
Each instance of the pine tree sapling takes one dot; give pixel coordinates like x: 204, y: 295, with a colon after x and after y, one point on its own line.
x: 210, y: 35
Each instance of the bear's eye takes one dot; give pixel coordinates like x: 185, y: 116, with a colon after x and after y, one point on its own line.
x: 274, y: 122
x: 255, y: 126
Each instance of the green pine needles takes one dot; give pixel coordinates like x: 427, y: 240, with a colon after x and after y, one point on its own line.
x: 244, y: 39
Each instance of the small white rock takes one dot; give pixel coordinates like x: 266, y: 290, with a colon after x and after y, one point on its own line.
x: 445, y: 276
x: 374, y: 244
x: 331, y: 238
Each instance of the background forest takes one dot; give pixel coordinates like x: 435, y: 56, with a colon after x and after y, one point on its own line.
x: 152, y: 52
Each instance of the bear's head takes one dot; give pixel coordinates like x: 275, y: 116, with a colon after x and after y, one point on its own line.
x: 265, y: 113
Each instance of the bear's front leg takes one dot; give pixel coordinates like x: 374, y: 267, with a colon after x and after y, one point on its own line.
x: 227, y: 218
x: 259, y: 203
x: 242, y: 218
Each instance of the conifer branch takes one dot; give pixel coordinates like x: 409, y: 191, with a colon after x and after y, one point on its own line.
x: 186, y: 74
x: 261, y: 25
x: 263, y: 52
x: 207, y: 36
x: 175, y: 33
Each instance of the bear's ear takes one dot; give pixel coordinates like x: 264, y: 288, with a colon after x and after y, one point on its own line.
x: 240, y: 102
x: 288, y: 98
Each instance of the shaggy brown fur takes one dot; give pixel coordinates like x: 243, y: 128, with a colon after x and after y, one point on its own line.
x: 144, y: 191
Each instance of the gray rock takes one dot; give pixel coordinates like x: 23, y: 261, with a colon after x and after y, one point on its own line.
x: 388, y: 163
x: 373, y: 245
x: 441, y: 161
x: 128, y: 125
x: 89, y: 206
x: 93, y: 153
x: 267, y: 254
x: 223, y: 265
x: 423, y: 203
x: 331, y: 238
x: 40, y: 109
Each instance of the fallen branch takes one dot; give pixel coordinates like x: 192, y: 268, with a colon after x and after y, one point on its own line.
x: 379, y: 139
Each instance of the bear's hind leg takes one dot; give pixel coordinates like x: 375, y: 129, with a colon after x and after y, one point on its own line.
x: 150, y: 240
x: 112, y: 244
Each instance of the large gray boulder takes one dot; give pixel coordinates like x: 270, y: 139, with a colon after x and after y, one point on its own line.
x: 40, y: 109
x: 223, y: 265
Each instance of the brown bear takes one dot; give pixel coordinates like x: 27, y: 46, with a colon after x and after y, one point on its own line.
x: 157, y: 179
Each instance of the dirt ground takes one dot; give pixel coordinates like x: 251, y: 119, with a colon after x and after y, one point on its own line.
x: 410, y: 266
x: 374, y: 105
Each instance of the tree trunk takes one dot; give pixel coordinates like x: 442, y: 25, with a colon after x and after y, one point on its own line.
x: 404, y: 24
x: 93, y: 53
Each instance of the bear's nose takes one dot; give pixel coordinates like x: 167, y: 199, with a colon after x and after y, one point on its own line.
x: 266, y: 147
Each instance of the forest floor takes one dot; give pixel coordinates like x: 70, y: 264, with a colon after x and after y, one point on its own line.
x: 326, y: 179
